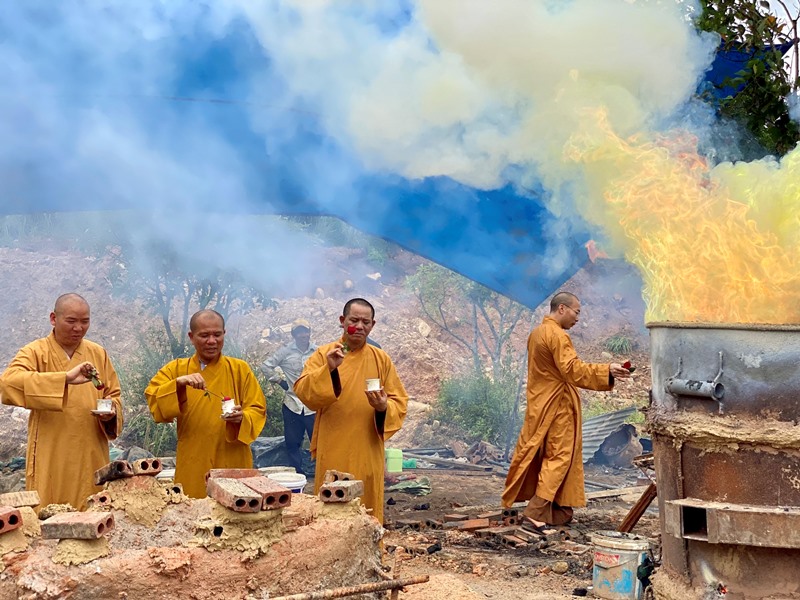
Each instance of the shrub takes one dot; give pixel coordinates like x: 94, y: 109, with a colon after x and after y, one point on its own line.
x: 619, y: 344
x: 483, y: 408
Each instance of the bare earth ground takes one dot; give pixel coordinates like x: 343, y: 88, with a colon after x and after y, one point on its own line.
x: 31, y: 278
x: 468, y: 567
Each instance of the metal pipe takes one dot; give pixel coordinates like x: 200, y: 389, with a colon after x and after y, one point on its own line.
x: 364, y: 588
x: 691, y: 387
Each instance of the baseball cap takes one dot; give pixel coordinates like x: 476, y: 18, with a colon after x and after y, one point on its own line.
x: 297, y: 323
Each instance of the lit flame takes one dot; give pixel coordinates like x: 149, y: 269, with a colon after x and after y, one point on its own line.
x: 712, y: 245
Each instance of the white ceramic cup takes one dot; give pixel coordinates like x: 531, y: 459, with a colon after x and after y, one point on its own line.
x: 228, y: 407
x: 104, y: 404
x: 373, y: 385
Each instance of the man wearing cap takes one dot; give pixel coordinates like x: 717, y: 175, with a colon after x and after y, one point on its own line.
x: 283, y: 368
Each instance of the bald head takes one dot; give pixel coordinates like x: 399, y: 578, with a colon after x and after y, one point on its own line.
x: 69, y: 299
x: 205, y: 315
x: 70, y: 321
x: 563, y: 298
x: 565, y: 308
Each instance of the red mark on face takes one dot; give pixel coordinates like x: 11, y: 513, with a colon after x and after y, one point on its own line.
x: 351, y: 329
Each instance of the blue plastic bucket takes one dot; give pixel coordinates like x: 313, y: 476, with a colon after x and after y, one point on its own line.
x: 617, y: 557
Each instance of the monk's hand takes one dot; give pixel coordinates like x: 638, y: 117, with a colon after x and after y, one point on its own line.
x: 335, y: 357
x: 235, y: 416
x: 618, y: 371
x: 194, y: 380
x: 378, y: 400
x: 109, y: 415
x: 80, y: 374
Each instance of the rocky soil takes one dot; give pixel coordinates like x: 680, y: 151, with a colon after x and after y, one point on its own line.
x: 32, y: 277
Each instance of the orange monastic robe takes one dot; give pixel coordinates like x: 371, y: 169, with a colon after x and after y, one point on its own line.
x: 552, y: 427
x: 205, y: 441
x: 66, y: 442
x: 348, y: 433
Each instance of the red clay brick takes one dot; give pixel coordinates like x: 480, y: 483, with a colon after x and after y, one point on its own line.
x: 341, y: 491
x: 21, y: 498
x: 99, y: 499
x: 233, y: 494
x: 147, y: 466
x: 332, y: 475
x: 232, y: 473
x: 273, y: 494
x: 10, y: 518
x: 78, y: 525
x: 116, y: 469
x: 455, y: 517
x: 473, y: 524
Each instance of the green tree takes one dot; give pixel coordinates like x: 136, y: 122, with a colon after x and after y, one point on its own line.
x: 484, y: 401
x: 761, y: 105
x: 175, y: 286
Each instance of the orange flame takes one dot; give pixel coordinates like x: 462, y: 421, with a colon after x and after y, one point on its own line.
x: 703, y: 255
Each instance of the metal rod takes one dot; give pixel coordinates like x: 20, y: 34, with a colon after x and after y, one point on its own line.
x: 364, y: 588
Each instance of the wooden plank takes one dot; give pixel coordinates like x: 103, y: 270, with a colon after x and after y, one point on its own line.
x: 616, y: 492
x: 637, y: 510
x: 448, y: 462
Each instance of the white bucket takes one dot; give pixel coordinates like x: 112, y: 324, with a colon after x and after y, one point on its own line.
x: 617, y: 557
x: 294, y: 481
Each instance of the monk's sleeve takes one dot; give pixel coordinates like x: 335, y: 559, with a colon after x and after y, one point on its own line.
x: 397, y: 403
x: 162, y: 396
x: 22, y: 385
x: 583, y: 375
x: 111, y: 429
x: 314, y: 387
x: 254, y: 409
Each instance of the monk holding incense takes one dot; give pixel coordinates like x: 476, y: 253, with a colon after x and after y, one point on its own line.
x: 60, y: 379
x: 547, y: 467
x: 352, y: 423
x: 197, y: 391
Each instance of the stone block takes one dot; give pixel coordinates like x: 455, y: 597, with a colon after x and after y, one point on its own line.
x: 332, y: 476
x: 233, y: 494
x: 341, y: 491
x: 273, y: 494
x: 19, y: 499
x: 10, y: 519
x: 78, y: 525
x: 147, y: 466
x: 116, y: 469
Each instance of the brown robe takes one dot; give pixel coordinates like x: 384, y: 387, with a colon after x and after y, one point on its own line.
x: 547, y: 460
x: 66, y: 442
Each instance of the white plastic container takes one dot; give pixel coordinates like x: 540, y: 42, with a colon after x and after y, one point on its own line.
x: 294, y: 481
x: 617, y: 557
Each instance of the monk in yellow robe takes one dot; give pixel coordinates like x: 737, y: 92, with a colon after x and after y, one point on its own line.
x: 191, y: 390
x: 352, y: 424
x: 51, y: 377
x: 547, y: 467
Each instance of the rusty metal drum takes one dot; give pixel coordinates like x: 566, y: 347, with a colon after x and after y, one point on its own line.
x: 725, y: 403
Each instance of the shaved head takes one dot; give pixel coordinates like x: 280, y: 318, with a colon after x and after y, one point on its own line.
x: 65, y: 299
x: 202, y: 315
x: 562, y: 298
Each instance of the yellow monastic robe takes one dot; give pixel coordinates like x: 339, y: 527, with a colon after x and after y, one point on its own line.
x: 348, y: 433
x: 205, y: 441
x: 66, y: 442
x: 553, y: 420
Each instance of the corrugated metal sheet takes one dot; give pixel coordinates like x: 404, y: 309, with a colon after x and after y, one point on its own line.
x: 598, y: 428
